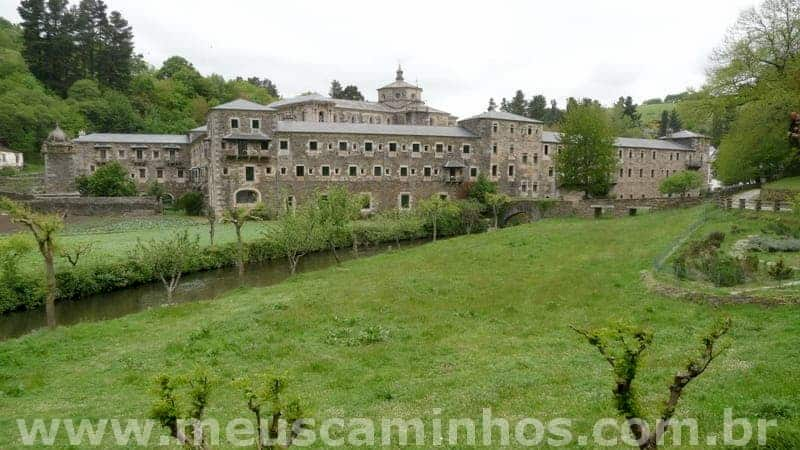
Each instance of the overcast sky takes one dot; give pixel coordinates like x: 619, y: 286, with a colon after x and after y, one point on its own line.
x: 460, y: 52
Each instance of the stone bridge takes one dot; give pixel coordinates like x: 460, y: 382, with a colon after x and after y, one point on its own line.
x: 532, y: 209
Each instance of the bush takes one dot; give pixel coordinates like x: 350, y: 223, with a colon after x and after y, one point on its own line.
x: 724, y: 271
x: 780, y: 271
x: 109, y: 180
x: 192, y: 203
x: 260, y: 212
x: 481, y: 187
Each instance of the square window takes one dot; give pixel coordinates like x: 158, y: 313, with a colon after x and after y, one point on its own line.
x: 235, y: 123
x: 268, y: 170
x: 155, y: 154
x: 405, y: 201
x: 283, y: 170
x: 439, y: 148
x: 342, y: 146
x: 283, y: 144
x: 352, y: 171
x: 426, y: 171
x: 300, y: 171
x: 473, y: 172
x: 377, y: 171
x: 255, y: 124
x: 249, y: 173
x: 224, y: 170
x: 415, y: 148
x: 121, y: 153
x: 159, y: 173
x: 392, y: 146
x: 180, y: 174
x: 326, y: 171
x: 264, y: 145
x: 313, y: 145
x: 465, y: 149
x: 367, y: 146
x: 403, y: 171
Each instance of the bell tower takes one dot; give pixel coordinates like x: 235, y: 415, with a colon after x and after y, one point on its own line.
x: 400, y: 94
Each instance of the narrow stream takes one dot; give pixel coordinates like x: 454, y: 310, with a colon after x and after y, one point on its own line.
x: 193, y: 287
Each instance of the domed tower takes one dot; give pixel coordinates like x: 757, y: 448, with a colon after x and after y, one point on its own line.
x: 60, y: 163
x: 400, y: 94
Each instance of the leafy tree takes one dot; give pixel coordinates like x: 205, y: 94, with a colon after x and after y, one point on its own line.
x: 351, y: 92
x: 518, y: 104
x: 587, y: 161
x: 296, y: 233
x: 629, y: 110
x: 622, y: 346
x: 182, y: 401
x: 434, y: 210
x: 266, y: 84
x: 192, y: 203
x: 266, y: 400
x: 336, y: 89
x: 537, y: 107
x: 334, y: 211
x: 780, y: 271
x: 554, y: 114
x: 663, y: 126
x: 109, y: 180
x: 168, y: 259
x: 681, y: 183
x: 12, y: 249
x: 470, y: 214
x: 496, y: 204
x: 43, y: 227
x: 481, y: 188
x: 238, y: 217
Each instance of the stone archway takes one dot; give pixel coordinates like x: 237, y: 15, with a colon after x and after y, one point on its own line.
x: 246, y: 197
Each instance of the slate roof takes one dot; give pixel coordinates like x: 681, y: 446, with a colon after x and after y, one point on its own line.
x: 288, y: 126
x: 200, y: 129
x: 502, y: 115
x: 400, y: 84
x: 247, y: 136
x: 655, y: 144
x: 114, y: 138
x: 243, y: 105
x: 339, y: 103
x: 684, y: 134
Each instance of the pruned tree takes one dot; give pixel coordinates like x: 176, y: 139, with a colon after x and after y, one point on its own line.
x: 296, y: 234
x: 496, y: 203
x: 181, y: 405
x: 212, y: 224
x: 44, y: 228
x: 168, y: 259
x: 433, y: 210
x: 622, y: 346
x: 238, y: 217
x: 266, y: 400
x: 74, y: 253
x: 333, y: 212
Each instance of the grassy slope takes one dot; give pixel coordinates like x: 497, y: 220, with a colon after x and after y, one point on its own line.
x: 652, y: 113
x: 785, y: 184
x: 477, y: 321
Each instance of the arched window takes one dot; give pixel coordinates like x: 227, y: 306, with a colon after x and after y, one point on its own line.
x: 247, y: 197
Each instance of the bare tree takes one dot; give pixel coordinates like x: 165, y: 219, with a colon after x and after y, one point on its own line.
x: 622, y: 346
x: 238, y: 217
x: 43, y: 227
x: 74, y: 254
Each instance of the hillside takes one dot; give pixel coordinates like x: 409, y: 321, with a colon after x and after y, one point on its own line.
x: 652, y: 113
x: 468, y: 323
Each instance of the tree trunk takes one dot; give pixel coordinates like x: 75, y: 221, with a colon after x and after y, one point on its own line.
x: 50, y: 300
x: 240, y: 261
x: 335, y: 255
x: 434, y: 229
x: 292, y: 263
x: 495, y: 217
x: 211, y: 230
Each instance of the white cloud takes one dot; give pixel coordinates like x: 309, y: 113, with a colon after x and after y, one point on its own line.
x: 461, y: 52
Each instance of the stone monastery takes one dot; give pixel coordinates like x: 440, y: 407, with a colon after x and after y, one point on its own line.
x: 395, y: 151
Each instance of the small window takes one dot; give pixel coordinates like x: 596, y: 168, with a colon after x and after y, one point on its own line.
x: 313, y: 145
x: 473, y: 172
x: 224, y: 170
x: 139, y: 154
x: 630, y: 173
x: 534, y: 187
x: 283, y: 144
x: 524, y: 158
x: 403, y: 171
x: 392, y: 146
x: 180, y: 174
x: 511, y: 171
x: 641, y: 173
x: 366, y: 201
x: 550, y: 172
x: 326, y: 171
x: 511, y: 129
x: 377, y: 171
x: 449, y: 148
x: 249, y: 173
x: 368, y: 146
x: 621, y: 173
x: 494, y: 128
x: 652, y: 174
x: 264, y: 145
x: 426, y: 171
x: 494, y: 170
x: 156, y: 154
x: 352, y: 171
x: 283, y: 170
x: 415, y: 147
x: 536, y: 158
x: 255, y: 124
x: 235, y: 123
x: 268, y: 170
x: 546, y: 149
x: 466, y: 149
x: 342, y: 146
x: 290, y: 202
x: 121, y: 153
x: 142, y: 173
x: 439, y: 148
x: 300, y: 170
x: 159, y: 173
x: 654, y: 155
x: 530, y: 131
x: 405, y: 201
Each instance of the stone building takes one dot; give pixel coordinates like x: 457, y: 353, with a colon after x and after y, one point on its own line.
x: 396, y: 151
x: 9, y: 158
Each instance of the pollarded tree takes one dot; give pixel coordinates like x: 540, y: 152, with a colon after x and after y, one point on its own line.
x: 681, y: 183
x: 168, y: 259
x: 622, y: 347
x: 43, y: 227
x: 333, y: 212
x: 297, y: 232
x: 181, y: 406
x: 496, y: 203
x: 434, y: 210
x: 238, y: 217
x: 587, y: 161
x: 267, y: 401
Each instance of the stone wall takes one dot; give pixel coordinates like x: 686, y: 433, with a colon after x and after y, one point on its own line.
x: 546, y: 209
x: 96, y: 206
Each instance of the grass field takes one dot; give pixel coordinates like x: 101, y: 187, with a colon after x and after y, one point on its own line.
x: 652, y: 113
x: 784, y: 184
x: 473, y: 322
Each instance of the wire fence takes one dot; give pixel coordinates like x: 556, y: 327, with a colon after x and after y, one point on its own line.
x: 660, y: 261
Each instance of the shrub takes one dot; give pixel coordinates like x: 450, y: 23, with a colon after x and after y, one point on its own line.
x: 109, y: 180
x: 724, y: 271
x: 780, y: 271
x: 750, y: 264
x: 481, y: 187
x: 260, y: 212
x: 192, y: 203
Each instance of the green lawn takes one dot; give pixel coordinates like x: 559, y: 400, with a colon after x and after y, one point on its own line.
x: 784, y: 184
x: 473, y: 322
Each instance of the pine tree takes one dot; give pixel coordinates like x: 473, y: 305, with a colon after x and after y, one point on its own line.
x: 351, y: 92
x: 553, y: 114
x: 116, y: 58
x: 492, y: 105
x: 629, y: 109
x: 504, y: 105
x: 537, y: 107
x: 91, y: 23
x: 32, y: 14
x: 336, y: 89
x: 675, y: 121
x: 663, y: 126
x: 518, y: 104
x: 59, y: 47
